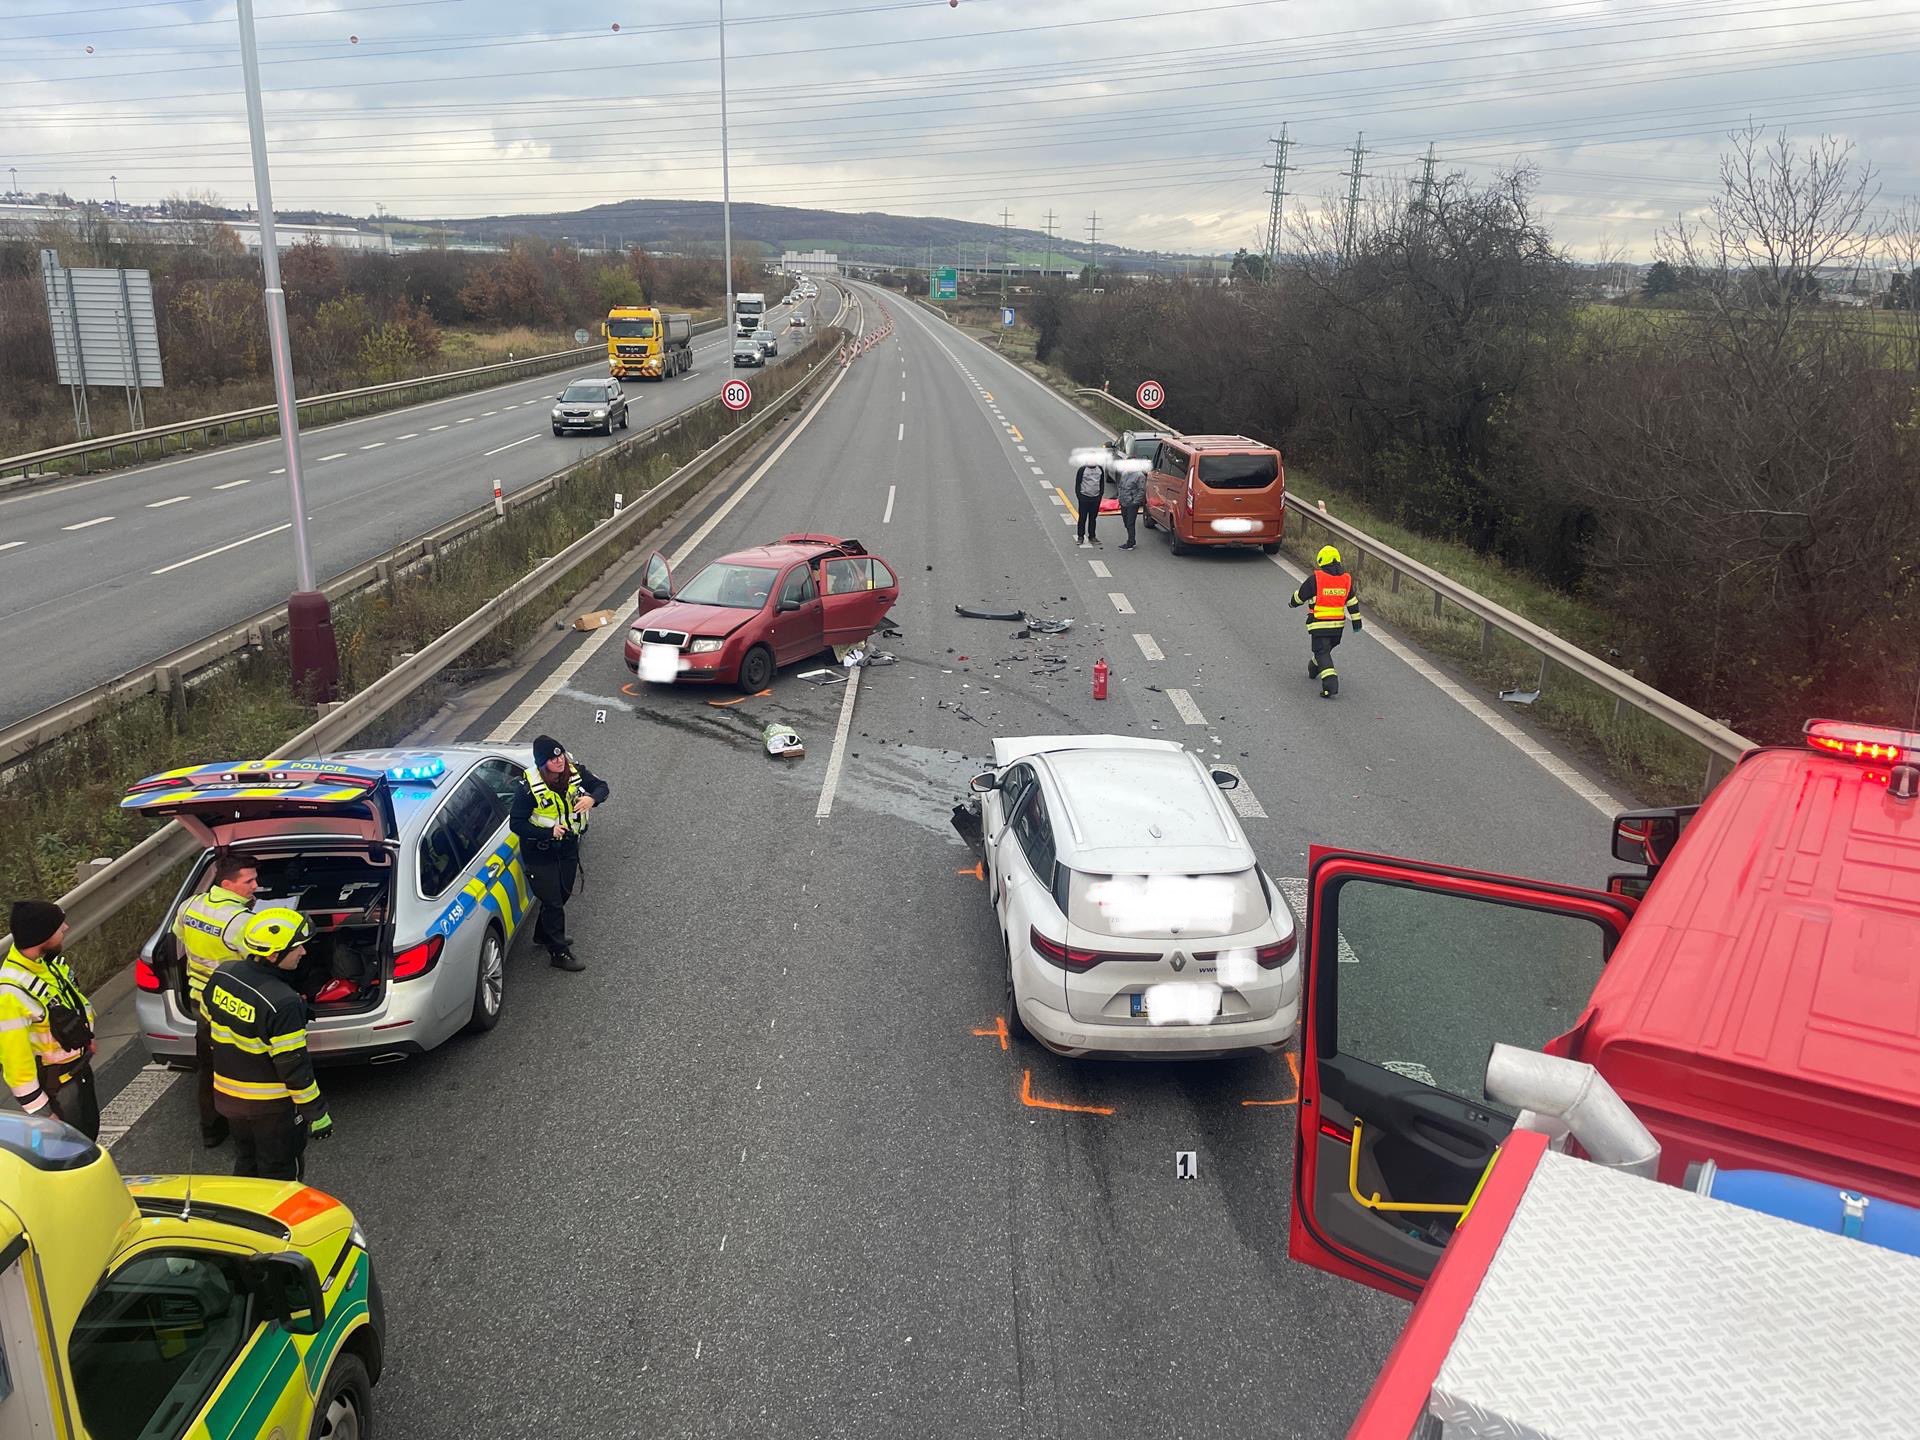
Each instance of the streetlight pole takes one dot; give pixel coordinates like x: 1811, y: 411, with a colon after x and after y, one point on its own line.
x: 315, y: 657
x: 116, y: 193
x: 726, y: 183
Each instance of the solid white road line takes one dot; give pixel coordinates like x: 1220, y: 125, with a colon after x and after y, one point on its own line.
x: 209, y: 554
x: 564, y: 672
x: 887, y: 519
x: 838, y: 757
x: 1120, y: 602
x: 162, y: 504
x: 1148, y: 648
x: 1245, y: 804
x: 1100, y: 569
x: 1189, y: 712
x: 523, y: 440
x: 248, y: 481
x: 88, y: 524
x: 337, y: 455
x: 1593, y: 794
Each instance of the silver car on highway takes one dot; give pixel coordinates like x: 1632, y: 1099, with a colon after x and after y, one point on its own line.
x: 403, y: 861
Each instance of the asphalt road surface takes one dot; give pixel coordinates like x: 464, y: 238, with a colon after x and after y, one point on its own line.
x: 100, y: 576
x: 766, y: 1167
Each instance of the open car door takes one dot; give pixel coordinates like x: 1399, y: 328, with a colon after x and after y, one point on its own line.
x: 1413, y: 972
x: 656, y: 585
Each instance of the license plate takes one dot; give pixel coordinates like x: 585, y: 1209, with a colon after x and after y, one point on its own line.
x: 1138, y: 1006
x: 659, y: 664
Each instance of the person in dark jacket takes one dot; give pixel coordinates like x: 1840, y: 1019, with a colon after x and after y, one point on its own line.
x: 1332, y: 602
x: 1131, y: 487
x: 550, y: 814
x: 263, y: 1082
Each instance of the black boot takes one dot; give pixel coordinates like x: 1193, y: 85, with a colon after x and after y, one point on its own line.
x: 213, y: 1137
x: 1329, y: 686
x: 1313, y: 669
x: 567, y: 960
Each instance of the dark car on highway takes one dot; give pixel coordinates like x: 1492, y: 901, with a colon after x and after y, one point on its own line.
x: 755, y: 610
x: 590, y: 405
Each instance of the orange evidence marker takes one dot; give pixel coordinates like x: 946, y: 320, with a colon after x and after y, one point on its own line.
x: 1293, y: 1064
x: 997, y: 1029
x: 1028, y: 1098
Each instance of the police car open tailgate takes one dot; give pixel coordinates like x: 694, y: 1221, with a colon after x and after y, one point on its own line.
x: 228, y: 802
x: 1580, y: 1301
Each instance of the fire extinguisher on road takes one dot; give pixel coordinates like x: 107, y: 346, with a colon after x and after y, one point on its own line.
x: 1100, y: 674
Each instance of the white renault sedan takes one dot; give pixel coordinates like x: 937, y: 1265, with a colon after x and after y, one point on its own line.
x: 1133, y: 914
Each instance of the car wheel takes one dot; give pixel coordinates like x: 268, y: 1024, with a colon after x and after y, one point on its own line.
x: 756, y: 671
x: 1272, y: 547
x: 556, y: 429
x: 1015, y: 1029
x: 344, y: 1410
x: 489, y: 984
x: 623, y: 418
x: 1146, y: 516
x: 1174, y: 542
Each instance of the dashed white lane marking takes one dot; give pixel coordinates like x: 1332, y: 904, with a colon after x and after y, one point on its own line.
x: 337, y: 455
x: 1593, y: 794
x: 221, y: 550
x: 432, y: 428
x: 838, y: 757
x: 521, y: 441
x: 1295, y: 889
x: 1147, y: 648
x: 12, y: 545
x: 376, y: 445
x: 1023, y: 449
x: 1120, y: 602
x: 410, y: 435
x: 485, y: 413
x: 1100, y: 569
x: 281, y: 471
x: 467, y: 421
x: 1055, y: 498
x: 1036, y: 470
x: 903, y: 397
x: 1189, y: 712
x: 1244, y: 802
x: 162, y: 504
x: 903, y: 431
x: 123, y: 1112
x: 88, y: 524
x: 887, y: 519
x: 248, y: 481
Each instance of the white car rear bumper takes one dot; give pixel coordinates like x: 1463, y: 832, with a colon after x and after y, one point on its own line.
x: 1063, y: 1034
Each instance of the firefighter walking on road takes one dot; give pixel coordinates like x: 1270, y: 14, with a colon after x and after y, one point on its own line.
x: 208, y: 931
x: 263, y: 1080
x: 46, y: 1023
x: 550, y: 814
x: 1332, y: 602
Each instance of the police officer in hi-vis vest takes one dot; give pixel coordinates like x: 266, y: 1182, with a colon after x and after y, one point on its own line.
x: 550, y: 814
x: 208, y: 931
x: 46, y: 1023
x: 1329, y: 594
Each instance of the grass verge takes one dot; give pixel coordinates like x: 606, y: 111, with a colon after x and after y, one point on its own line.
x: 60, y: 807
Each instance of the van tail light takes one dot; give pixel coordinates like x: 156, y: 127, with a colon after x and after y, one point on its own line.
x: 1875, y: 744
x: 1073, y: 957
x: 417, y: 960
x: 145, y: 977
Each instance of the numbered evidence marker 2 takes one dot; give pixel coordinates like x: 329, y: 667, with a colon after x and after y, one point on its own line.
x: 1186, y: 1164
x: 599, y: 717
x: 736, y: 395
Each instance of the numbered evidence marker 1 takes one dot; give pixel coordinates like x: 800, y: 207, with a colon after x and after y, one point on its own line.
x: 1186, y: 1164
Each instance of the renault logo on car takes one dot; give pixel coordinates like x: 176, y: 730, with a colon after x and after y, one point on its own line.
x: 1179, y: 962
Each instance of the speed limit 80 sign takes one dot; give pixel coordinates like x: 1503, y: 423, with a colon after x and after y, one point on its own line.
x: 1150, y: 395
x: 736, y: 394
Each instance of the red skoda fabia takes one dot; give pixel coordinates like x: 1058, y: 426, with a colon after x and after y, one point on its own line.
x: 753, y: 611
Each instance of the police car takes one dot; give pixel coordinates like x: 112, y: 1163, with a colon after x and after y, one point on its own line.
x: 403, y: 861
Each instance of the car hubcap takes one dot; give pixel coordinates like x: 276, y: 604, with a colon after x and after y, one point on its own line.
x: 493, y: 972
x: 343, y: 1420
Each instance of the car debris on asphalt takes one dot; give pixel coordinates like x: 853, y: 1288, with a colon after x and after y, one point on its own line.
x: 783, y: 742
x: 822, y: 676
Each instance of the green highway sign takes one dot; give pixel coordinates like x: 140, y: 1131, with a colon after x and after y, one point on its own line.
x: 946, y: 283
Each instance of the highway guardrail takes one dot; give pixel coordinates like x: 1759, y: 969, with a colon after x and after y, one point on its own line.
x: 115, y: 885
x: 132, y: 447
x: 1722, y: 746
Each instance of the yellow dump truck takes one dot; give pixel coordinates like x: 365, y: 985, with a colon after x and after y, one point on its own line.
x: 200, y: 1307
x: 647, y: 344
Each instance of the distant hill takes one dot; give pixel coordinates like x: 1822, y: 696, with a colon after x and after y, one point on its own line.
x: 694, y: 225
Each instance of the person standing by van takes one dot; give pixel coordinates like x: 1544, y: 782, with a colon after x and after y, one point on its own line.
x: 1329, y: 593
x: 46, y: 1023
x: 1132, y: 491
x: 1089, y: 489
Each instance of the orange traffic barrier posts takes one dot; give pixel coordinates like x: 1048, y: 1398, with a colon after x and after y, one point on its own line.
x: 1029, y: 1099
x: 1293, y: 1064
x: 998, y: 1030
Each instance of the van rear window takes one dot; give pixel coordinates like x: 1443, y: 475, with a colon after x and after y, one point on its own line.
x: 1239, y: 472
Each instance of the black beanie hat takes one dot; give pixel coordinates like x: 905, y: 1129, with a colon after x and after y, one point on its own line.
x: 34, y: 921
x: 545, y: 747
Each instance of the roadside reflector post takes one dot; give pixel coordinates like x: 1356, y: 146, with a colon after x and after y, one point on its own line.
x: 499, y: 505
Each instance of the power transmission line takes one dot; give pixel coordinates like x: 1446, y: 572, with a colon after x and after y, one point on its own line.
x: 1278, y: 194
x: 1093, y: 242
x: 1050, y: 222
x: 1006, y: 252
x: 1354, y: 177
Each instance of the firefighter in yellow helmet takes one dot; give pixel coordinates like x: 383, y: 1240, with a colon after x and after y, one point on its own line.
x: 207, y: 931
x: 262, y: 1075
x: 1332, y: 603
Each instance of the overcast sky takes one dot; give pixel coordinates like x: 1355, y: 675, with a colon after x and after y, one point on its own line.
x: 1156, y: 115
